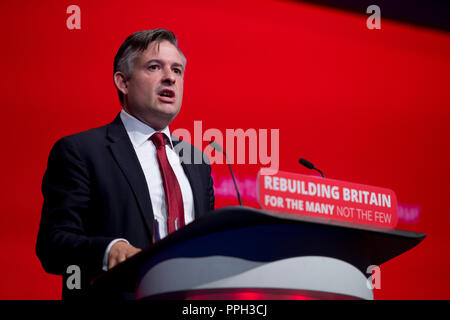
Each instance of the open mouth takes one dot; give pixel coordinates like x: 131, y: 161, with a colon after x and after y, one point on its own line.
x: 167, y: 95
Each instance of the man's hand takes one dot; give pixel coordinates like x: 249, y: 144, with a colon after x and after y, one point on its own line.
x: 119, y: 252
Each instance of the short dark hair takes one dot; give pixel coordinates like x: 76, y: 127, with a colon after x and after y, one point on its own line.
x: 137, y: 43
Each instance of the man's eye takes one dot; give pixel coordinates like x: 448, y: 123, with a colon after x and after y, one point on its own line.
x: 177, y: 71
x: 154, y: 67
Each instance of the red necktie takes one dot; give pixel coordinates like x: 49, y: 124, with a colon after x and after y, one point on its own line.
x: 174, y: 199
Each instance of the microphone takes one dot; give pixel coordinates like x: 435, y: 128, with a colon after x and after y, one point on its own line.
x: 219, y: 148
x: 309, y: 165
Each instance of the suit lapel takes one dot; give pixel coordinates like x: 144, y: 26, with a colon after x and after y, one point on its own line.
x: 123, y: 152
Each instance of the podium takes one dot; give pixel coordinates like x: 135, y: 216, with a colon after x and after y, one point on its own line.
x: 245, y: 253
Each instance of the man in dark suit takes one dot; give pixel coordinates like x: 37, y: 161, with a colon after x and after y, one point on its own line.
x: 111, y: 191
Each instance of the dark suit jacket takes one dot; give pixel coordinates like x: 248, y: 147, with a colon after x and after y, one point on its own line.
x: 94, y: 192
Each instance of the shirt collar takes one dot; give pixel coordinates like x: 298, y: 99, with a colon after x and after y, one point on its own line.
x: 138, y: 131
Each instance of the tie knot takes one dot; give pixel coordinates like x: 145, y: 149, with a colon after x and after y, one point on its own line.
x: 158, y: 140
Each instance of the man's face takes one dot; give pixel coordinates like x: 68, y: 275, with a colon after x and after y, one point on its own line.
x: 155, y: 89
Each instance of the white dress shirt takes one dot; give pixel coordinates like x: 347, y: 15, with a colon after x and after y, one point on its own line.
x: 139, y: 134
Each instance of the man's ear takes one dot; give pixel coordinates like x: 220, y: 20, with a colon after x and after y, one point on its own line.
x: 120, y: 80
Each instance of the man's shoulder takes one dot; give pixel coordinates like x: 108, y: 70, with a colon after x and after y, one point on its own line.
x: 188, y: 153
x: 86, y: 137
x: 85, y: 140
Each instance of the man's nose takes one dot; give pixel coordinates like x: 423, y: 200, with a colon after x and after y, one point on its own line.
x: 168, y: 77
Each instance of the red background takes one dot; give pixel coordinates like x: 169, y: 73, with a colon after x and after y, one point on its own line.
x: 367, y: 106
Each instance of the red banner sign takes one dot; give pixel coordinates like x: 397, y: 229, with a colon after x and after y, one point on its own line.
x: 328, y: 199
